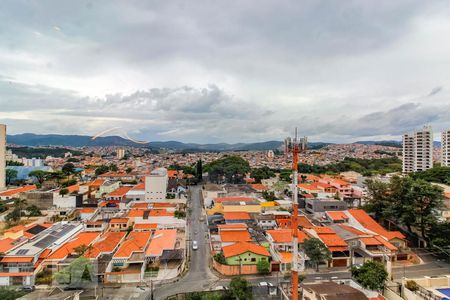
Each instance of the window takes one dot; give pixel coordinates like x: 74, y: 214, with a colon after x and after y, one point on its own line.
x: 253, y: 259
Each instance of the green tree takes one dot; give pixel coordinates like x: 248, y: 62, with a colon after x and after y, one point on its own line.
x: 239, y: 288
x: 371, y: 275
x: 20, y: 203
x: 40, y: 175
x: 269, y: 195
x: 113, y: 167
x: 68, y: 168
x: 63, y: 191
x: 11, y: 175
x: 77, y: 274
x: 199, y: 170
x: 439, y: 235
x: 377, y: 197
x: 229, y: 169
x: 73, y: 160
x: 33, y: 211
x: 129, y: 170
x: 262, y: 173
x: 220, y: 258
x: 13, y: 163
x: 263, y: 267
x: 316, y: 251
x: 10, y: 294
x: 438, y: 174
x: 101, y: 170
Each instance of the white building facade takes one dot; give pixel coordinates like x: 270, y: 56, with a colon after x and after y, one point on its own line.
x: 2, y: 157
x: 445, y: 141
x: 156, y: 185
x: 418, y: 151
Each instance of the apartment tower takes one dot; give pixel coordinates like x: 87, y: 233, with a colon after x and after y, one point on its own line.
x: 2, y: 156
x: 445, y: 155
x: 418, y: 150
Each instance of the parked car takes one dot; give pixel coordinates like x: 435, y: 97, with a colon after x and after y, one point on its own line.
x: 194, y: 245
x: 265, y: 283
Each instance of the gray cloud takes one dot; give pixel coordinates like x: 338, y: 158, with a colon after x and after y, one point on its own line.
x: 216, y: 71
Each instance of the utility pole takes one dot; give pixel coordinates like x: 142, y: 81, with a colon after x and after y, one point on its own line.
x: 294, y: 216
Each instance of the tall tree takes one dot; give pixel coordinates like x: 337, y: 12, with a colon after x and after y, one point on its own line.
x: 199, y: 171
x: 377, y: 197
x: 40, y: 175
x: 68, y: 168
x: 316, y: 251
x: 10, y: 175
x: 239, y: 288
x: 371, y: 275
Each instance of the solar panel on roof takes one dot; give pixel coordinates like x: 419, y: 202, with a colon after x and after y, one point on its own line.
x: 22, y: 251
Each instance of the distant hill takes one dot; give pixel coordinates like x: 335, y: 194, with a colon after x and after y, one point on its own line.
x: 36, y: 140
x: 391, y: 143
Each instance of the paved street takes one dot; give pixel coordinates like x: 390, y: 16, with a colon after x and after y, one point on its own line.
x: 199, y: 276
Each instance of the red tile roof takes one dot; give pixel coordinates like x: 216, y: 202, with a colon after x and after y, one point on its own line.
x: 6, y: 244
x: 365, y: 220
x: 120, y: 192
x: 337, y: 215
x: 106, y: 244
x: 235, y: 236
x: 135, y: 242
x: 84, y: 238
x: 236, y: 216
x: 259, y: 187
x: 232, y: 226
x: 243, y: 247
x: 19, y: 190
x: 163, y: 239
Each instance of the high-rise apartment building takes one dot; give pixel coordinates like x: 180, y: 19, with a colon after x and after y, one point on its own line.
x: 418, y: 150
x: 120, y: 153
x: 445, y: 144
x: 2, y: 156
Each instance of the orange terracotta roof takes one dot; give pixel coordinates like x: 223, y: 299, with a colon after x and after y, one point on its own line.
x: 161, y: 213
x: 370, y: 241
x: 139, y: 186
x: 19, y: 190
x: 235, y: 236
x: 163, y: 239
x: 308, y: 187
x: 233, y: 199
x: 16, y: 229
x: 15, y: 274
x: 232, y: 226
x: 447, y: 195
x: 386, y: 243
x: 340, y: 182
x: 337, y: 215
x: 304, y: 222
x: 281, y: 235
x: 107, y: 243
x: 73, y: 188
x: 323, y: 230
x: 259, y: 187
x: 119, y: 220
x: 114, y: 174
x: 333, y: 240
x: 365, y: 220
x: 97, y: 182
x: 84, y: 238
x: 87, y: 210
x: 162, y: 204
x: 142, y: 205
x: 120, y: 192
x: 13, y: 259
x: 236, y: 216
x: 172, y: 173
x: 146, y: 226
x: 243, y: 247
x: 135, y: 242
x: 132, y: 213
x: 6, y: 244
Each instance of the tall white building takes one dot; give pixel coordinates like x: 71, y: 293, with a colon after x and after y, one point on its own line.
x: 156, y: 185
x: 2, y: 156
x: 445, y: 141
x: 120, y: 153
x: 418, y: 150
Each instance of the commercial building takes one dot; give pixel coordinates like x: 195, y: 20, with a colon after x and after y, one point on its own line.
x: 120, y: 153
x: 2, y: 157
x: 418, y: 150
x: 156, y: 185
x: 445, y: 141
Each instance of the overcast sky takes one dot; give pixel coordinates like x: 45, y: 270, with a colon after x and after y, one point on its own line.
x: 225, y: 71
